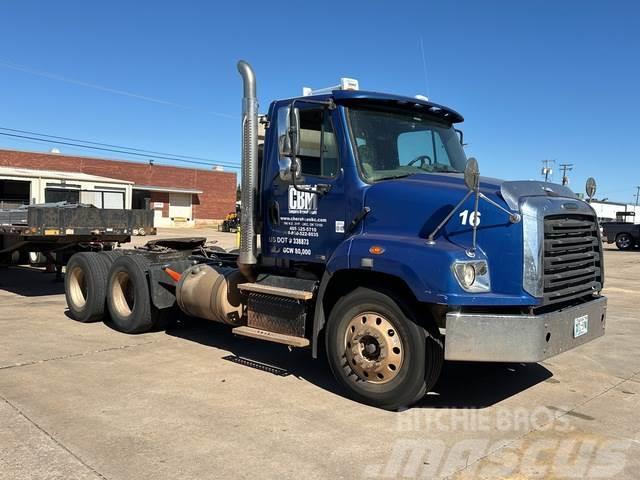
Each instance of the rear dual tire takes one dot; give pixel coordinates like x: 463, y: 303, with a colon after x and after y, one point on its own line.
x: 85, y: 284
x: 129, y: 299
x: 378, y: 353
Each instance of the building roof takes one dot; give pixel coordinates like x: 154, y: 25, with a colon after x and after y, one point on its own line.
x: 77, y: 176
x: 115, y: 159
x: 152, y: 188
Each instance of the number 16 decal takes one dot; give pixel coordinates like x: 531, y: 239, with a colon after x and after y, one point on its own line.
x: 472, y: 218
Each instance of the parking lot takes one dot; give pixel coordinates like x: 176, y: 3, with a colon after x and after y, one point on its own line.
x: 84, y: 401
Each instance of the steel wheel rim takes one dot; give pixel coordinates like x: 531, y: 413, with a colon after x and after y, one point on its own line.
x: 122, y: 294
x: 374, y: 348
x: 77, y: 287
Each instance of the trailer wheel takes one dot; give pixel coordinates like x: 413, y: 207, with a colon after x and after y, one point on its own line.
x: 624, y: 241
x: 128, y: 297
x: 85, y: 284
x: 378, y: 354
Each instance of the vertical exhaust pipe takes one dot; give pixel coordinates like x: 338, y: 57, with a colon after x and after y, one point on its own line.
x: 249, y: 172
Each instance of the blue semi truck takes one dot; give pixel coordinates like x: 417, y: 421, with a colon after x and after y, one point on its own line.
x: 380, y: 244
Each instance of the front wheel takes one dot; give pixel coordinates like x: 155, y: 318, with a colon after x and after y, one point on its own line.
x: 378, y: 354
x: 624, y: 241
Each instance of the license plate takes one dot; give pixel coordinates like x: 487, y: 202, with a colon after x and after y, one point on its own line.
x: 580, y: 326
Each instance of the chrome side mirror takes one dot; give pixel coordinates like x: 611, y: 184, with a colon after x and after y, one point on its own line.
x: 590, y: 187
x: 289, y: 146
x: 472, y: 175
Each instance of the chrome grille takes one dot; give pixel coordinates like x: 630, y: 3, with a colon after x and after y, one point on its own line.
x: 572, y: 257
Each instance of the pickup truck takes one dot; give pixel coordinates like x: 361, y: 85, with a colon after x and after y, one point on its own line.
x: 625, y: 235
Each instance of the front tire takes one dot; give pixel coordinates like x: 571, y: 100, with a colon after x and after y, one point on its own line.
x: 377, y: 353
x: 624, y: 241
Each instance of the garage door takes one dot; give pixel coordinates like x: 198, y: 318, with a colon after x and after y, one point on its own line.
x: 180, y: 206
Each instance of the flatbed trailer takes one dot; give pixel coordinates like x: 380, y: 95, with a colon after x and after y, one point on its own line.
x: 52, y: 233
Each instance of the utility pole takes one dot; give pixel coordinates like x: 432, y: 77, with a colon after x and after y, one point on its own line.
x: 547, y: 171
x: 637, y: 195
x: 566, y: 167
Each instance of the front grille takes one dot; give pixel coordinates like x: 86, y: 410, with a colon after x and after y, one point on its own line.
x: 572, y: 257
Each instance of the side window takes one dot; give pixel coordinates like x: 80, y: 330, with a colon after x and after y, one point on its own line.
x: 318, y: 148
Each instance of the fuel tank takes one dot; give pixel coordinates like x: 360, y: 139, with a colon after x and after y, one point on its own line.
x: 211, y: 292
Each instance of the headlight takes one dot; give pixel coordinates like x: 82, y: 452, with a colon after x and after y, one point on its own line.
x: 473, y: 276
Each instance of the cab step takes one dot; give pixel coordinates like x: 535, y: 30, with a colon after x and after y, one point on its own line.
x: 291, y: 340
x: 277, y: 291
x: 279, y: 286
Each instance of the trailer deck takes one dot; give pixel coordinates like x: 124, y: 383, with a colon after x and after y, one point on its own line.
x: 62, y: 227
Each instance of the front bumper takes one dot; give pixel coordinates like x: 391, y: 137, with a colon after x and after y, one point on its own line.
x: 520, y: 338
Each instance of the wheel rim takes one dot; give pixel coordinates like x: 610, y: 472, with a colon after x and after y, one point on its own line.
x: 77, y: 287
x: 624, y: 241
x: 122, y: 294
x: 374, y: 348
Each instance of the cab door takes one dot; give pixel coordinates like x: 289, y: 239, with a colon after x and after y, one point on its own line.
x: 303, y: 225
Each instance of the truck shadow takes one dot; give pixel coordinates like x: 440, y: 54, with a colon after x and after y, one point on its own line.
x: 480, y: 385
x: 462, y: 384
x: 29, y: 281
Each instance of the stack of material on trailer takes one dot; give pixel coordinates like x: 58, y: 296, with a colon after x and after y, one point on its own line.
x: 20, y: 215
x: 14, y: 216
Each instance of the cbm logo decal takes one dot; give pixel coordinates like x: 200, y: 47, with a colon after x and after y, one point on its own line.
x: 302, y: 202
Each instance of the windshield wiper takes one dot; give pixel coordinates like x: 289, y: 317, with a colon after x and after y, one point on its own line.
x: 443, y: 170
x: 391, y: 177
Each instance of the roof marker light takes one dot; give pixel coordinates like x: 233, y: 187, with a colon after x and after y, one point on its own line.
x: 345, y: 84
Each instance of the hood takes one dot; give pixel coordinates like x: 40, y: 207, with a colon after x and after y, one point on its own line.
x: 409, y: 209
x: 431, y: 193
x: 414, y: 206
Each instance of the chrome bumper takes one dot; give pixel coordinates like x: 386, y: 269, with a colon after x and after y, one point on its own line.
x: 520, y: 338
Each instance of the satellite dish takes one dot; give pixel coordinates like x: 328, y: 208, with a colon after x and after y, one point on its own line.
x: 472, y: 174
x: 590, y: 187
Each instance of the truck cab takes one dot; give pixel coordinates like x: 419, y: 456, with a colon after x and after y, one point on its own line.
x: 375, y: 199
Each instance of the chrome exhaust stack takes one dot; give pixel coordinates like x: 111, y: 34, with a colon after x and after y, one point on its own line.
x: 249, y: 172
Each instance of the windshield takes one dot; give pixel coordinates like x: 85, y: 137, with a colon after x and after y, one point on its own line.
x: 392, y: 144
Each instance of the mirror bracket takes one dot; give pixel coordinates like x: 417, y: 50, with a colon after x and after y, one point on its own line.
x: 472, y: 181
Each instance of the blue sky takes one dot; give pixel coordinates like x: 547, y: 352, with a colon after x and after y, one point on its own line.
x: 534, y: 80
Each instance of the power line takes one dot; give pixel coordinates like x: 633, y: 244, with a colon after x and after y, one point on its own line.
x: 69, y: 139
x: 95, y: 86
x: 159, y: 157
